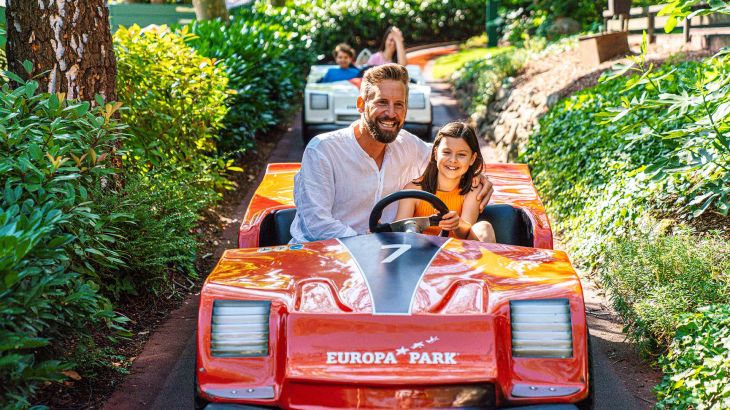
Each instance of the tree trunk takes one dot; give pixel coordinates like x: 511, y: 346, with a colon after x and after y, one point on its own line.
x: 69, y: 43
x: 210, y: 9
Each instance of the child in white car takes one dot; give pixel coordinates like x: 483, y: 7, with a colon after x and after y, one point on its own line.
x: 344, y: 56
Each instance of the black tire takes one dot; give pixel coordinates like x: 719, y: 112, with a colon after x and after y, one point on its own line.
x: 199, y: 403
x: 588, y: 402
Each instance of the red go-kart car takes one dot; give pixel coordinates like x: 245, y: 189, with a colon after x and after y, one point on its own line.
x: 395, y: 318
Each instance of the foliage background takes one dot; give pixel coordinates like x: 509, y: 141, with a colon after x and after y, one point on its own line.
x: 361, y: 23
x: 78, y: 245
x: 55, y: 163
x: 265, y: 69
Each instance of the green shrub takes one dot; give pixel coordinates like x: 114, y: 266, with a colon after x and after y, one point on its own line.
x: 477, y: 82
x: 697, y: 366
x: 522, y: 20
x: 174, y: 99
x: 162, y: 209
x: 53, y: 160
x: 654, y: 278
x: 267, y: 65
x: 698, y: 108
x: 591, y: 173
x: 361, y: 23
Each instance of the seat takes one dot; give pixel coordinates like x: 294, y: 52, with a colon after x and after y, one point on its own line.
x: 511, y: 226
x: 275, y: 227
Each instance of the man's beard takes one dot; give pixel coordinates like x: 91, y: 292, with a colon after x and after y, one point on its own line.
x: 378, y: 134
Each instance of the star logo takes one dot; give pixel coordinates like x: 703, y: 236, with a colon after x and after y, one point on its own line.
x: 401, y: 351
x: 432, y: 339
x: 417, y: 345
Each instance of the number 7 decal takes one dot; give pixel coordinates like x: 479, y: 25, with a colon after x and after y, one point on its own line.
x: 400, y: 250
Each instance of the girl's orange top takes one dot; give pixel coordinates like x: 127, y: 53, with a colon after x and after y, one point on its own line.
x: 453, y: 200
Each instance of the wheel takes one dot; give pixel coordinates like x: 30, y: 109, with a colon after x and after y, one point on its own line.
x: 199, y: 403
x: 588, y: 402
x: 377, y: 212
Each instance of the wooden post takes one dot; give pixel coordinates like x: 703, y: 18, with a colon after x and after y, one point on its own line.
x: 597, y: 48
x: 650, y: 28
x: 685, y: 29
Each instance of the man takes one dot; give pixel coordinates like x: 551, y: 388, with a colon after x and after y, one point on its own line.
x: 345, y: 172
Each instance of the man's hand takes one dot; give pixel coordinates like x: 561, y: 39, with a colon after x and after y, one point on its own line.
x: 484, y: 190
x: 449, y: 221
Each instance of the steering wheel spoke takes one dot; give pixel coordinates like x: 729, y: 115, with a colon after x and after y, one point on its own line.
x: 413, y: 225
x: 416, y: 224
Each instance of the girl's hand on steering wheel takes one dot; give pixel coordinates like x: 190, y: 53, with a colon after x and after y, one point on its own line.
x: 449, y: 221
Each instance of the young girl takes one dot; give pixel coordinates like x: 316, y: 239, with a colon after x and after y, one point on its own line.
x: 455, y: 160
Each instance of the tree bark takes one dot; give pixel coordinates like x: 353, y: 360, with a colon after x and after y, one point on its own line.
x: 69, y: 43
x: 210, y: 9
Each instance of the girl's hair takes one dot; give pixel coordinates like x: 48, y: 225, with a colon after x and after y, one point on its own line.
x: 385, y: 40
x: 457, y: 129
x: 344, y: 48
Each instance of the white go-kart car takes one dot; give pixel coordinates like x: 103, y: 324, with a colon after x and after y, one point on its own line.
x: 332, y: 106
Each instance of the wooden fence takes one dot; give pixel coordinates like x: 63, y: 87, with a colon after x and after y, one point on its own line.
x: 646, y: 19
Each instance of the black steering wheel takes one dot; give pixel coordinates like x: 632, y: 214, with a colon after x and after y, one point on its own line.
x: 415, y: 224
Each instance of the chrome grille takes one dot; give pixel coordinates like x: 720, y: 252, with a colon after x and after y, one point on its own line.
x: 348, y: 118
x: 240, y: 328
x: 345, y: 102
x: 541, y: 328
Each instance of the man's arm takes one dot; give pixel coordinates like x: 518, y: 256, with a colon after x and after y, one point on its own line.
x: 314, y: 195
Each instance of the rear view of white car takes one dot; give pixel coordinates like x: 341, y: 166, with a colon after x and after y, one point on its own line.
x: 332, y: 106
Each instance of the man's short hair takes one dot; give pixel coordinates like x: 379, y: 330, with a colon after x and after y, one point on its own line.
x: 379, y: 73
x: 344, y: 48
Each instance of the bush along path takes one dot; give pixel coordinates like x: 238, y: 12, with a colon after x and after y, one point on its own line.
x: 633, y: 166
x: 93, y: 256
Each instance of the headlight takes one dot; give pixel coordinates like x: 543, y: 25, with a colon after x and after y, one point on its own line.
x: 541, y: 328
x: 240, y: 328
x: 417, y: 101
x: 319, y: 101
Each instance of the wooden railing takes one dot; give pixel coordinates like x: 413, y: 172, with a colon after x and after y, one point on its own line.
x: 647, y: 19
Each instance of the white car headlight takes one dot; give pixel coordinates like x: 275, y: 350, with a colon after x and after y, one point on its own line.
x: 541, y: 328
x: 240, y: 328
x: 319, y: 101
x: 417, y: 101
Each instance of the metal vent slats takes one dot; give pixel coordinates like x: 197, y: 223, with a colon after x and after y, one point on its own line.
x: 240, y: 328
x: 541, y: 328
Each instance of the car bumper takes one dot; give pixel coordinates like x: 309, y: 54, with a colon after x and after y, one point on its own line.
x: 226, y: 406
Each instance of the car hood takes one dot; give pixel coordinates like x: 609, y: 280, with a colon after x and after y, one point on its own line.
x: 395, y: 274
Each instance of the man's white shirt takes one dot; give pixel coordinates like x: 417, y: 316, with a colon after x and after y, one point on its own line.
x: 339, y: 183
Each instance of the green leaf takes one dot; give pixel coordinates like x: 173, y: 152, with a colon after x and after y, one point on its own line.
x: 670, y: 25
x: 28, y: 66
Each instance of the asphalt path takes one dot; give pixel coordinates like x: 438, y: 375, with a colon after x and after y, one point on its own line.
x: 162, y: 376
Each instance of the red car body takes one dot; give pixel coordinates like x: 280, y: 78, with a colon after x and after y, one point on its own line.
x: 353, y: 325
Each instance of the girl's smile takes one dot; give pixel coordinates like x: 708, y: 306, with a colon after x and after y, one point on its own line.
x: 453, y: 159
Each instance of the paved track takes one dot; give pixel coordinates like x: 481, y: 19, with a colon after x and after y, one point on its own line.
x: 162, y: 377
